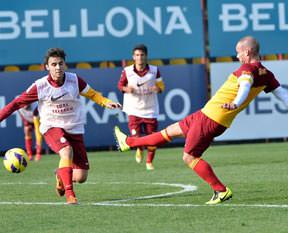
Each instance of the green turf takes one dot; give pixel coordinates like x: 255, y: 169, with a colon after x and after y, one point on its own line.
x: 257, y: 174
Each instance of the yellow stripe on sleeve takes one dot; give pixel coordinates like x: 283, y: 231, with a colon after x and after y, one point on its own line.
x: 160, y: 84
x: 96, y: 97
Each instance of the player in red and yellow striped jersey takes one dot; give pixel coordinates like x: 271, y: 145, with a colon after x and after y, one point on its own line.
x: 200, y: 128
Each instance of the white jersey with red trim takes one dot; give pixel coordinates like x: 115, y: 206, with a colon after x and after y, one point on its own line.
x: 143, y: 102
x: 60, y: 106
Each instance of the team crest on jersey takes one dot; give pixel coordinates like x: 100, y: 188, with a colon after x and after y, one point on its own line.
x: 133, y: 132
x: 63, y: 140
x: 262, y: 71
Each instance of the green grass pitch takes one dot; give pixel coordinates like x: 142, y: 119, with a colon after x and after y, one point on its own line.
x: 121, y: 196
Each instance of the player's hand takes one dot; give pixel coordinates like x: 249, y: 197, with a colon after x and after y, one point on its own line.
x: 229, y: 106
x: 113, y: 105
x: 155, y: 89
x: 128, y: 89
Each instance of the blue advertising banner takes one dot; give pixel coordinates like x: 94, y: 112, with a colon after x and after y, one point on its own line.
x: 95, y: 30
x: 229, y: 21
x: 186, y: 92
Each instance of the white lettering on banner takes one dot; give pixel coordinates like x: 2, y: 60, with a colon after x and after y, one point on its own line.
x: 257, y: 16
x: 282, y: 16
x: 127, y: 15
x: 85, y: 32
x: 35, y: 23
x: 235, y: 17
x: 186, y: 104
x: 29, y: 24
x: 155, y: 24
x: 10, y: 25
x: 57, y: 23
x: 3, y: 124
x: 19, y: 122
x: 176, y: 14
x: 2, y: 104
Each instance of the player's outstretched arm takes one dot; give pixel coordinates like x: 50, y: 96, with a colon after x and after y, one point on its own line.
x: 24, y: 99
x: 243, y: 92
x: 281, y: 94
x: 97, y: 97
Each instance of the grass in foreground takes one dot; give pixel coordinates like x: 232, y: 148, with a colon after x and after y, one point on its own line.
x: 257, y: 174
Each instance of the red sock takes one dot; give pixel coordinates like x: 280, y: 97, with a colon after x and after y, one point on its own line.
x: 28, y: 146
x: 154, y: 139
x: 150, y: 155
x: 65, y: 174
x: 205, y: 171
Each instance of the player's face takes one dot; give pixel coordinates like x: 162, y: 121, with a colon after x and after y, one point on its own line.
x: 242, y: 54
x: 140, y: 58
x: 56, y: 67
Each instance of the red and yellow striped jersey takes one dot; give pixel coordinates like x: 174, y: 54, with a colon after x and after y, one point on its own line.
x: 261, y: 78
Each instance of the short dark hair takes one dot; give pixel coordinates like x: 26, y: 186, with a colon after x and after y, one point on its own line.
x: 141, y: 47
x: 54, y: 52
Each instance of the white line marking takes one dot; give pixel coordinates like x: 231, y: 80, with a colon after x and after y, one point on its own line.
x: 189, y: 205
x: 21, y: 183
x: 148, y: 205
x: 118, y: 203
x: 185, y: 188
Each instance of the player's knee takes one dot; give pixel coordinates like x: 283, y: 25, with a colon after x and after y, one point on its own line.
x: 66, y: 152
x: 80, y: 179
x: 187, y: 158
x: 79, y: 176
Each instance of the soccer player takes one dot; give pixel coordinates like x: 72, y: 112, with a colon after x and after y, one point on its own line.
x: 62, y: 118
x: 30, y: 118
x: 140, y: 84
x: 199, y: 128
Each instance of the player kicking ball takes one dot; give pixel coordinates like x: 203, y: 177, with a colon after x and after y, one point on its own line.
x: 201, y: 127
x: 62, y: 118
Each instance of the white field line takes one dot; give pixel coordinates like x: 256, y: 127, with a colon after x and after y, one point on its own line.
x: 118, y: 203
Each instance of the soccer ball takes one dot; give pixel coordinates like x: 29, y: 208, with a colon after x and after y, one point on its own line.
x: 15, y: 160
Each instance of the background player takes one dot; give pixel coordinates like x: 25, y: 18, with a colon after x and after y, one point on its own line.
x: 30, y: 117
x: 62, y: 118
x: 140, y: 84
x: 199, y: 128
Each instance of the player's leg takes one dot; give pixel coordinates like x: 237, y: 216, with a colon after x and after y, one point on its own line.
x: 156, y: 139
x: 38, y: 138
x: 65, y: 173
x: 56, y: 139
x: 151, y: 125
x: 201, y: 132
x: 134, y: 125
x: 28, y: 140
x: 80, y: 175
x: 80, y: 159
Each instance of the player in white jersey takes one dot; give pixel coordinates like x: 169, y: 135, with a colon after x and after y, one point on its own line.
x: 140, y: 84
x: 30, y: 118
x: 61, y: 115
